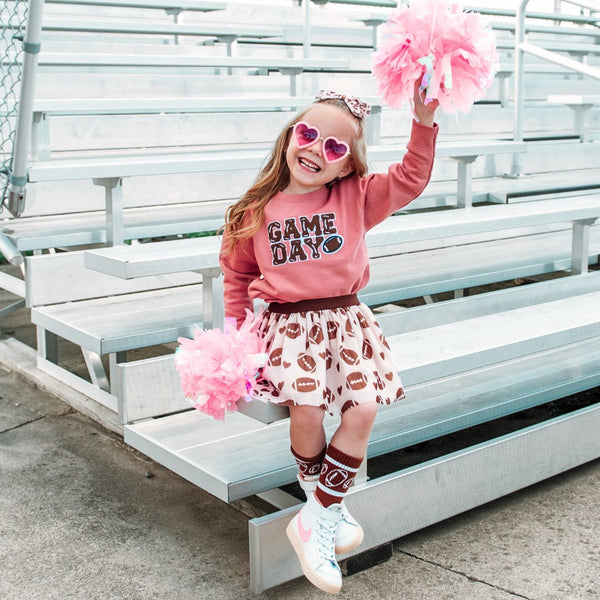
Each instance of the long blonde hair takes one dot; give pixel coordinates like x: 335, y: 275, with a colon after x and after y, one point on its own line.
x: 245, y: 217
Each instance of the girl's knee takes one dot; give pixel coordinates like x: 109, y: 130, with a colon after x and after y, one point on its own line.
x: 361, y: 416
x: 307, y: 416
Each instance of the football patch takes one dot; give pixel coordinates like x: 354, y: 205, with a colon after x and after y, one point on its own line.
x: 332, y: 244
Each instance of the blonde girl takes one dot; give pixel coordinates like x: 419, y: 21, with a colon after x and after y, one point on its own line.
x: 296, y: 240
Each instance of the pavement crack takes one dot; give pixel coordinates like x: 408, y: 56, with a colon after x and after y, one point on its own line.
x: 22, y: 424
x: 466, y: 575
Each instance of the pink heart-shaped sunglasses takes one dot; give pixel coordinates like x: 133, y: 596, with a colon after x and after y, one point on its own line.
x: 307, y: 135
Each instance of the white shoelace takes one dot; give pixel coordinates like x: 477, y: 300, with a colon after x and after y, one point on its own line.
x: 326, y: 537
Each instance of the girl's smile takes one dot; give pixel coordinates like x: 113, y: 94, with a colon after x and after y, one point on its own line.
x: 307, y: 164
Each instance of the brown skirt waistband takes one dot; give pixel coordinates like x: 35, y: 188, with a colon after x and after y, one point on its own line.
x: 287, y: 308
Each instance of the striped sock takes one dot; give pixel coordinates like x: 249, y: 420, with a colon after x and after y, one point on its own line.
x: 309, y: 467
x: 337, y: 475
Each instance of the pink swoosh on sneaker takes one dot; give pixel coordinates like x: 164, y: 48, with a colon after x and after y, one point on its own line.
x: 304, y: 533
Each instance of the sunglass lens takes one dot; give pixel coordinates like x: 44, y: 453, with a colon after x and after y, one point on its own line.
x: 335, y: 150
x: 305, y: 135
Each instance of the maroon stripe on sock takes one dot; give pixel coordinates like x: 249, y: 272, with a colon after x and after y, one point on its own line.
x: 337, y: 476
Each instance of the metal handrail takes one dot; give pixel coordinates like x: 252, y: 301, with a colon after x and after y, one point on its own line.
x: 10, y: 252
x: 31, y: 48
x: 591, y: 6
x: 522, y: 47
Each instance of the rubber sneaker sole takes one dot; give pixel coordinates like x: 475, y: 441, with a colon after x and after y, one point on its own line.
x: 355, y: 543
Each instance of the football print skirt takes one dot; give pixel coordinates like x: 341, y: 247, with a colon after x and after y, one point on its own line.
x: 329, y: 353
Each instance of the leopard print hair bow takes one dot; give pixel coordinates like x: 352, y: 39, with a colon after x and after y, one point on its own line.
x: 359, y: 108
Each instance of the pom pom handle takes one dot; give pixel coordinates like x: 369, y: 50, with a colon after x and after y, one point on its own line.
x: 452, y: 50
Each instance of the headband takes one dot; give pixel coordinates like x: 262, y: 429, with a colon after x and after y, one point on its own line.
x: 359, y: 108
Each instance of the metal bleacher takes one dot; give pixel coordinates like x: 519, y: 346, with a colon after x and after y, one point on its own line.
x: 149, y: 118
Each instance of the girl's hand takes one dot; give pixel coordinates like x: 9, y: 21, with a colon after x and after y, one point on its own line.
x: 423, y: 113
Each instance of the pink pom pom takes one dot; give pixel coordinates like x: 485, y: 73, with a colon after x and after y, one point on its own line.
x: 217, y: 368
x: 454, y: 50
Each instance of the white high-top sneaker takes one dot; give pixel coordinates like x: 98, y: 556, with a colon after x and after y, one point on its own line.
x: 349, y: 533
x: 312, y: 534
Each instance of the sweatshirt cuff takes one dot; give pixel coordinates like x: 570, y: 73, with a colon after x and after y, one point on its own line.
x: 423, y: 136
x: 420, y: 125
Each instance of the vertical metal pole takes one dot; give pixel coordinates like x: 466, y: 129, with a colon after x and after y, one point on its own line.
x: 580, y: 246
x: 31, y: 50
x: 212, y: 298
x: 47, y: 344
x: 517, y: 166
x: 175, y: 12
x: 464, y: 182
x: 306, y: 39
x: 113, y: 202
x: 40, y: 136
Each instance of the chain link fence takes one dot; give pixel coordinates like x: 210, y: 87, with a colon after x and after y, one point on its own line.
x: 13, y: 19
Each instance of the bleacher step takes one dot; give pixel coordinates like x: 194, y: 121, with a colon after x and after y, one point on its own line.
x: 493, y: 338
x: 75, y: 229
x: 120, y: 323
x: 415, y: 274
x: 240, y: 457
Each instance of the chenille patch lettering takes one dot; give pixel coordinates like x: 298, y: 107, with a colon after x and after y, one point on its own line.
x: 303, y: 238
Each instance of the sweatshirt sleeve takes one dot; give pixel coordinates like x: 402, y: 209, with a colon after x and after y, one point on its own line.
x: 239, y: 268
x: 386, y: 193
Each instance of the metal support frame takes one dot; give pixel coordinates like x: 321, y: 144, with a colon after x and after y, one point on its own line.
x: 517, y: 165
x: 175, y: 13
x: 47, y: 362
x: 113, y: 200
x: 581, y: 120
x: 374, y: 23
x: 13, y: 284
x: 40, y: 136
x: 47, y: 344
x: 580, y: 246
x: 10, y: 251
x: 306, y: 31
x: 212, y: 294
x: 374, y: 126
x: 293, y: 72
x: 464, y: 180
x: 93, y: 362
x: 503, y: 78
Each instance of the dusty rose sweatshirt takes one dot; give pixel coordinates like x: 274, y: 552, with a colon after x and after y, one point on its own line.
x: 313, y: 245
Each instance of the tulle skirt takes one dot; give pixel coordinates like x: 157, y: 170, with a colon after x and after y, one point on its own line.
x: 333, y: 358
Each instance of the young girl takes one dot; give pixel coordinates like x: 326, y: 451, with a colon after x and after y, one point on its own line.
x: 296, y: 239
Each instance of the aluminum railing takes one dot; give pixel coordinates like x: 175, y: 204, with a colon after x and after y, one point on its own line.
x: 521, y: 48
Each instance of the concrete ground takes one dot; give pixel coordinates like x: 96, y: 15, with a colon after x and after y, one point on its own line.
x: 83, y: 516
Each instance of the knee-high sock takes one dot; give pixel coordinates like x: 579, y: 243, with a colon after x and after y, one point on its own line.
x: 337, y: 475
x: 309, y: 468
